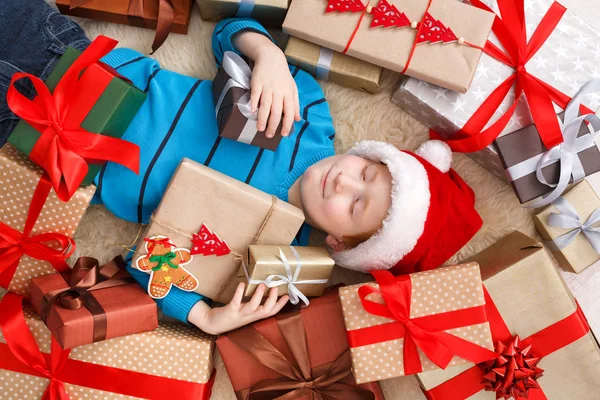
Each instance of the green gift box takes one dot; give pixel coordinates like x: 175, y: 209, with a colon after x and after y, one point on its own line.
x: 111, y: 114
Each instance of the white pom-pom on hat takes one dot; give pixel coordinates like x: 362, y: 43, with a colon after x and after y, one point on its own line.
x: 437, y: 153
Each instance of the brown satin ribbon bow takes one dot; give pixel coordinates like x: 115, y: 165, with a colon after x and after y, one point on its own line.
x: 297, y: 379
x: 166, y: 14
x: 87, y: 275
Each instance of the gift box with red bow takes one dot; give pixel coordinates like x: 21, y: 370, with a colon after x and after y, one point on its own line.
x: 92, y: 303
x: 172, y: 362
x: 299, y: 354
x: 419, y: 322
x: 29, y: 246
x: 543, y: 343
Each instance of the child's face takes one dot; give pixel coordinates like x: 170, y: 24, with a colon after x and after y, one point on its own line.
x: 346, y: 196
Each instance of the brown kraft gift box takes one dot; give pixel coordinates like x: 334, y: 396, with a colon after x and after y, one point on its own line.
x: 270, y: 13
x: 310, y: 338
x: 530, y: 295
x: 437, y: 291
x: 449, y: 65
x: 110, y: 312
x: 18, y: 180
x: 578, y: 254
x: 315, y: 263
x: 117, y: 11
x: 332, y: 66
x: 238, y: 213
x: 524, y: 144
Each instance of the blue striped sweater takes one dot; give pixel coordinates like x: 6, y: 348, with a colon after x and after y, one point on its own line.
x: 178, y: 120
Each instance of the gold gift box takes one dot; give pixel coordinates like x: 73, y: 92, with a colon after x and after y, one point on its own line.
x: 270, y: 13
x: 344, y: 70
x: 265, y: 261
x: 579, y: 254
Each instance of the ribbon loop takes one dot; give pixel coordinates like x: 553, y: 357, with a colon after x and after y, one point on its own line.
x: 568, y: 218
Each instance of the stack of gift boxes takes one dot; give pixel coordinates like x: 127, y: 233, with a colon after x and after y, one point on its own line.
x: 475, y: 330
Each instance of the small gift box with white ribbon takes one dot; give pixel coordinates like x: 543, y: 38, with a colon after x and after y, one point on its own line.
x: 570, y: 227
x: 301, y: 272
x: 231, y: 93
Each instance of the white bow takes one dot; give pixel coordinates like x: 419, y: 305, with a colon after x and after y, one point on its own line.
x: 568, y: 218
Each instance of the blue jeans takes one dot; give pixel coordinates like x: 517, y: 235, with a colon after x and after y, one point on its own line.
x: 33, y: 35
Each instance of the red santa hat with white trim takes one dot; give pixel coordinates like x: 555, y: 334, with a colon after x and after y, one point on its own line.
x: 432, y: 213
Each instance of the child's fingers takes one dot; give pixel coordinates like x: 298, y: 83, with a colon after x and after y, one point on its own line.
x: 297, y: 104
x: 271, y: 301
x: 255, y: 93
x: 288, y: 117
x: 266, y: 99
x: 279, y: 305
x: 254, y: 302
x: 275, y: 118
x: 236, y: 301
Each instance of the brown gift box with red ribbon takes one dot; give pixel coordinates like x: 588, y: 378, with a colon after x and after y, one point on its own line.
x: 18, y: 180
x: 173, y: 361
x: 300, y: 354
x: 425, y: 311
x: 93, y: 303
x: 384, y: 33
x: 545, y: 348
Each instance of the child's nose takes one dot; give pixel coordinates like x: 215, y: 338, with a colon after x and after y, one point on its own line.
x: 344, y: 183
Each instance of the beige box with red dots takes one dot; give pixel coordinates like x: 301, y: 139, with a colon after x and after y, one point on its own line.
x: 18, y: 180
x: 377, y: 343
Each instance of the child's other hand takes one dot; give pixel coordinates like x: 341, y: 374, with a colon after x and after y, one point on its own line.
x: 236, y: 314
x: 273, y: 91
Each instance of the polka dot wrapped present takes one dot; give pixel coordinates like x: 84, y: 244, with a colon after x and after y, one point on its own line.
x: 19, y: 179
x: 172, y: 362
x: 419, y: 322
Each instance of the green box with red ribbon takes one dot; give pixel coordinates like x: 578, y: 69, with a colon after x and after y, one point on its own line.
x: 105, y: 103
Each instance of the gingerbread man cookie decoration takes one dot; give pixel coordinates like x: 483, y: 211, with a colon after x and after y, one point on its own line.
x: 164, y: 262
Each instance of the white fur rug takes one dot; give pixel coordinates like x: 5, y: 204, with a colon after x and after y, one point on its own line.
x: 357, y: 116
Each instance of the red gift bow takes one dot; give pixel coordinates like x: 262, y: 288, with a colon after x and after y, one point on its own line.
x: 64, y: 147
x: 426, y: 333
x: 510, y: 31
x: 14, y: 244
x: 21, y: 354
x: 544, y: 342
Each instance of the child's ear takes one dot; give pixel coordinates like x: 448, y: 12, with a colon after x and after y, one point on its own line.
x: 336, y: 244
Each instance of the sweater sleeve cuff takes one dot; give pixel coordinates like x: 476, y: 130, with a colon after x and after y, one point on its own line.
x: 227, y: 30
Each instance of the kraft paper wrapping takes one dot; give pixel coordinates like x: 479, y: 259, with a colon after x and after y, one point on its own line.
x: 18, y: 180
x: 263, y: 261
x: 172, y: 350
x: 128, y: 310
x: 325, y: 337
x: 531, y: 295
x: 579, y: 254
x: 567, y: 60
x: 270, y: 13
x: 433, y: 292
x: 448, y: 65
x: 344, y: 70
x: 231, y: 209
x: 116, y: 11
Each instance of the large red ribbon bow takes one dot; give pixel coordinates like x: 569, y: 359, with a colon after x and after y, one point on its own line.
x: 14, y: 244
x: 510, y: 31
x: 64, y: 147
x: 424, y: 333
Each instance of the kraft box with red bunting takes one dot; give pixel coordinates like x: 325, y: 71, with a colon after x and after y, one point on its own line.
x: 404, y: 325
x: 543, y: 343
x: 438, y: 41
x: 526, y: 75
x: 33, y: 247
x: 172, y: 362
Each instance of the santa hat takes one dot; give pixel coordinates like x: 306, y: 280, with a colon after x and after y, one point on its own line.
x: 431, y: 216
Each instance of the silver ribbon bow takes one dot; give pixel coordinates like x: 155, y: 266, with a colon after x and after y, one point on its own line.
x: 566, y: 153
x: 569, y: 219
x: 289, y: 279
x: 240, y: 76
x: 245, y: 9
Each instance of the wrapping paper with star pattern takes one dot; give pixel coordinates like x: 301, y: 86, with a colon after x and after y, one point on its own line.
x: 18, y: 180
x: 433, y: 292
x: 569, y: 58
x: 172, y: 351
x: 530, y: 295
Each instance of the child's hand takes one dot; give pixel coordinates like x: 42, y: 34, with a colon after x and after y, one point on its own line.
x: 273, y: 89
x: 236, y: 314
